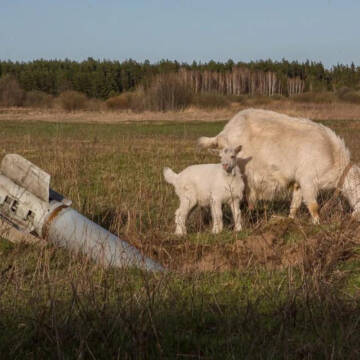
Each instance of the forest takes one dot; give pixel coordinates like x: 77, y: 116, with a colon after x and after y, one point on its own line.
x: 102, y: 79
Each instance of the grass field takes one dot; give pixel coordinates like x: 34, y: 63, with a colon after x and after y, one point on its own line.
x: 278, y: 289
x: 309, y: 109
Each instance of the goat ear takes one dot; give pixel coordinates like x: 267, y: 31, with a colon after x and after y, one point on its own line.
x: 238, y: 149
x: 213, y: 151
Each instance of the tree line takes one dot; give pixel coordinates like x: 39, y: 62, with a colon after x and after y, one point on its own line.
x: 103, y: 79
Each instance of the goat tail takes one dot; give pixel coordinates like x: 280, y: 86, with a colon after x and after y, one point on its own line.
x: 170, y: 176
x: 207, y: 142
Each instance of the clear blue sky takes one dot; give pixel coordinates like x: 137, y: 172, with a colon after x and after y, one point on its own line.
x: 183, y: 30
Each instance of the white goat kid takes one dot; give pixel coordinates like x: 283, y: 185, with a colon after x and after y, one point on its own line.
x: 209, y: 185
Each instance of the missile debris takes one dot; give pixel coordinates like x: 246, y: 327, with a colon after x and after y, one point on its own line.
x: 29, y: 205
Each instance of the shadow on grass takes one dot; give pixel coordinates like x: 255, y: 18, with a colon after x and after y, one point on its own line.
x: 210, y: 317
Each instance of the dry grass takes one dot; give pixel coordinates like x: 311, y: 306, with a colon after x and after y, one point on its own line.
x: 333, y: 111
x: 278, y: 289
x: 315, y: 111
x: 112, y: 117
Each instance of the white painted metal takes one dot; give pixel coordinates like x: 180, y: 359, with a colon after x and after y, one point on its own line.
x: 73, y: 230
x: 22, y: 207
x: 27, y: 175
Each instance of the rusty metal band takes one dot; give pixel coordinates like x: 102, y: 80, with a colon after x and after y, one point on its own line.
x: 52, y: 216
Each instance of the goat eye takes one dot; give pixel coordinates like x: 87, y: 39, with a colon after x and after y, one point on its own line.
x: 233, y: 157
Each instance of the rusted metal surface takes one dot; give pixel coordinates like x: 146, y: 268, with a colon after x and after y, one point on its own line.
x: 49, y: 219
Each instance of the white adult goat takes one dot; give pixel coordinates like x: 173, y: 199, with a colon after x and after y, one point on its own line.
x: 209, y: 185
x: 279, y: 150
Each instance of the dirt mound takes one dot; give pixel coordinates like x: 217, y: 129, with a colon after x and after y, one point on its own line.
x: 279, y: 244
x: 210, y: 262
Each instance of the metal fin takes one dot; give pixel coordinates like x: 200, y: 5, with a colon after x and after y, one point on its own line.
x: 27, y: 175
